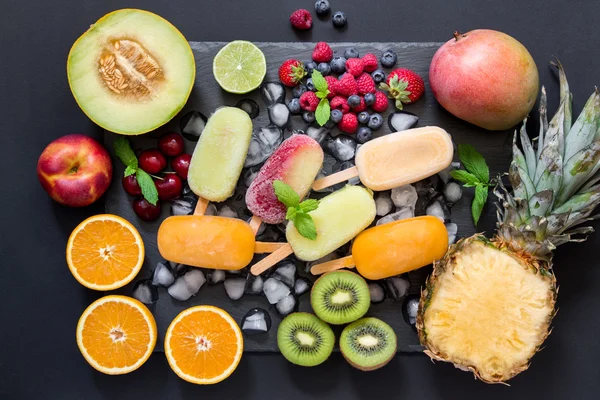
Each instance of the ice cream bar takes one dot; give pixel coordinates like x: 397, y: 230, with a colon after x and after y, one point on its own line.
x: 219, y: 155
x: 296, y: 162
x: 397, y: 159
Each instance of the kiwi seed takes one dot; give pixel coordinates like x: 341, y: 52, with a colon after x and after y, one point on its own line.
x: 304, y: 339
x: 340, y: 297
x: 368, y: 344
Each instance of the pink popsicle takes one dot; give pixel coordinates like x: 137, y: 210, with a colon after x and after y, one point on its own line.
x: 296, y: 162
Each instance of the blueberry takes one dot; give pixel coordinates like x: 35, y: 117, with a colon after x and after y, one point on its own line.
x: 369, y: 98
x: 364, y: 134
x: 338, y: 65
x: 310, y: 85
x: 324, y: 69
x: 388, y: 58
x: 375, y: 121
x: 308, y: 116
x: 336, y: 116
x: 378, y: 75
x: 294, y: 106
x: 354, y: 100
x: 363, y: 117
x: 339, y: 20
x: 309, y: 66
x: 297, y: 91
x: 322, y: 7
x: 351, y: 53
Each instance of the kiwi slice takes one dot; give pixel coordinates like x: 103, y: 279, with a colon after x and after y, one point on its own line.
x: 304, y: 339
x: 368, y: 344
x: 340, y: 297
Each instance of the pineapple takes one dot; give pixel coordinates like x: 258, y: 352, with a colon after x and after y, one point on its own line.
x: 488, y: 305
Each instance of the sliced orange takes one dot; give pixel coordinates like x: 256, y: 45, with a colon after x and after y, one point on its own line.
x: 204, y: 345
x: 105, y: 252
x: 116, y: 334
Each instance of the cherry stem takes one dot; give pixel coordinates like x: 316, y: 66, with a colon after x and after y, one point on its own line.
x: 458, y: 35
x: 157, y: 177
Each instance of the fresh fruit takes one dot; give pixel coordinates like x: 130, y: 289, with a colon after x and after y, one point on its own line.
x: 239, y: 67
x: 171, y: 144
x: 488, y: 304
x: 381, y: 102
x: 301, y: 19
x: 388, y: 58
x: 304, y: 339
x: 347, y: 85
x: 404, y: 86
x: 309, y: 101
x: 336, y: 116
x: 364, y: 134
x: 332, y: 83
x: 378, y: 75
x: 322, y: 53
x: 363, y: 117
x: 152, y: 161
x: 338, y: 65
x: 309, y: 67
x: 203, y: 345
x: 75, y: 170
x: 294, y: 106
x: 360, y: 107
x: 339, y: 103
x: 131, y: 71
x: 375, y: 121
x: 308, y: 116
x: 368, y: 344
x: 105, y: 252
x: 370, y: 62
x: 340, y: 297
x: 310, y: 85
x: 339, y: 19
x: 131, y: 185
x: 181, y: 165
x: 322, y: 7
x: 116, y: 334
x: 169, y: 187
x: 298, y: 90
x: 146, y: 211
x: 485, y: 77
x: 365, y: 84
x: 369, y: 98
x: 291, y: 72
x: 351, y: 52
x: 324, y: 68
x: 355, y: 66
x: 354, y: 100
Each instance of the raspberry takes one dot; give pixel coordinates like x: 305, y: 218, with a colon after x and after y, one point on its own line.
x: 370, y: 62
x: 381, y: 102
x: 322, y: 53
x: 309, y: 101
x: 355, y: 66
x: 365, y: 84
x: 332, y: 84
x: 339, y: 103
x: 347, y: 86
x: 349, y: 123
x: 301, y: 19
x: 361, y: 107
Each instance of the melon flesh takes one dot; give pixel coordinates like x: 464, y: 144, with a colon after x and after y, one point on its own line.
x: 131, y: 72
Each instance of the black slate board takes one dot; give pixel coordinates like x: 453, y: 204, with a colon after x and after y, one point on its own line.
x: 207, y: 96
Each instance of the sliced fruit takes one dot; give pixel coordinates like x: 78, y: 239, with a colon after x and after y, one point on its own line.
x: 368, y: 344
x: 340, y: 297
x: 116, y: 334
x: 105, y: 252
x: 203, y: 345
x: 239, y: 67
x: 304, y: 339
x: 131, y: 72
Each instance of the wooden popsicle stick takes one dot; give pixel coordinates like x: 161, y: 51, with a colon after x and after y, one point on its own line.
x: 267, y: 247
x: 344, y: 262
x: 255, y: 223
x: 332, y: 179
x: 201, y: 206
x: 271, y: 259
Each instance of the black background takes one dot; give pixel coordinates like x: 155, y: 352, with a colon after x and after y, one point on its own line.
x: 40, y: 302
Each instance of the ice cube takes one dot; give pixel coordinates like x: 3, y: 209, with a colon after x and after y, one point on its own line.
x: 286, y: 273
x: 194, y: 278
x: 301, y: 286
x: 270, y: 234
x: 272, y: 93
x: 249, y: 106
x: 254, y: 284
x: 192, y: 124
x: 404, y: 196
x: 410, y: 308
x: 179, y: 290
x: 145, y: 291
x: 377, y: 292
x: 183, y: 206
x: 452, y: 229
x: 234, y: 287
x: 215, y: 276
x: 427, y: 187
x: 402, y: 120
x: 261, y: 228
x: 383, y: 203
x: 227, y: 212
x: 326, y: 169
x: 397, y: 287
x: 436, y: 209
x: 341, y: 147
x: 211, y: 209
x: 401, y: 213
x: 256, y: 321
x: 275, y: 290
x: 452, y: 192
x: 163, y: 275
x: 340, y: 166
x: 279, y: 115
x: 250, y: 175
x: 331, y: 256
x: 318, y: 133
x: 286, y: 305
x: 445, y: 174
x: 263, y: 143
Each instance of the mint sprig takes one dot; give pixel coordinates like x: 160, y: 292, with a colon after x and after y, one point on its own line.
x: 125, y: 153
x: 323, y: 110
x: 476, y: 174
x: 297, y: 212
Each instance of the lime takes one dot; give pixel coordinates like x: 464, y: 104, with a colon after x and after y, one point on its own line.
x: 239, y: 67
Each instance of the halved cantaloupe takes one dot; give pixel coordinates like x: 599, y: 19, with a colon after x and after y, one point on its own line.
x: 131, y: 72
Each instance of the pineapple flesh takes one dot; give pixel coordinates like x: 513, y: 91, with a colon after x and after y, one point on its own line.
x: 488, y: 305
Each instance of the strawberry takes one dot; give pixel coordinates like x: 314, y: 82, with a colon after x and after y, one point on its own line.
x: 404, y: 86
x: 332, y: 84
x: 349, y: 123
x: 322, y: 53
x: 355, y: 66
x: 381, y: 102
x: 347, y: 85
x: 361, y: 107
x: 301, y: 19
x: 370, y: 62
x: 309, y: 101
x: 339, y: 103
x: 291, y: 72
x: 365, y: 83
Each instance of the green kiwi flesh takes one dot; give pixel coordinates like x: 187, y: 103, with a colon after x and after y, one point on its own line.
x: 368, y: 344
x: 340, y: 297
x: 304, y: 339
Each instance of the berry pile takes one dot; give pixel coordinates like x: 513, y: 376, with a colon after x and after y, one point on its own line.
x: 302, y: 19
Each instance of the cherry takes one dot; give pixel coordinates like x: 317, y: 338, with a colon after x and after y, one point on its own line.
x: 152, y: 161
x: 145, y: 210
x: 169, y: 188
x: 131, y: 186
x: 181, y: 165
x: 171, y: 144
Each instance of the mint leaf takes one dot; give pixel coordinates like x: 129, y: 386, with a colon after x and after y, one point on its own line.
x: 130, y: 170
x: 481, y: 194
x: 323, y: 112
x: 290, y: 215
x: 148, y: 187
x: 474, y: 162
x: 286, y: 194
x: 124, y: 152
x: 322, y: 95
x: 465, y: 177
x: 305, y: 226
x: 309, y: 205
x: 319, y: 82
